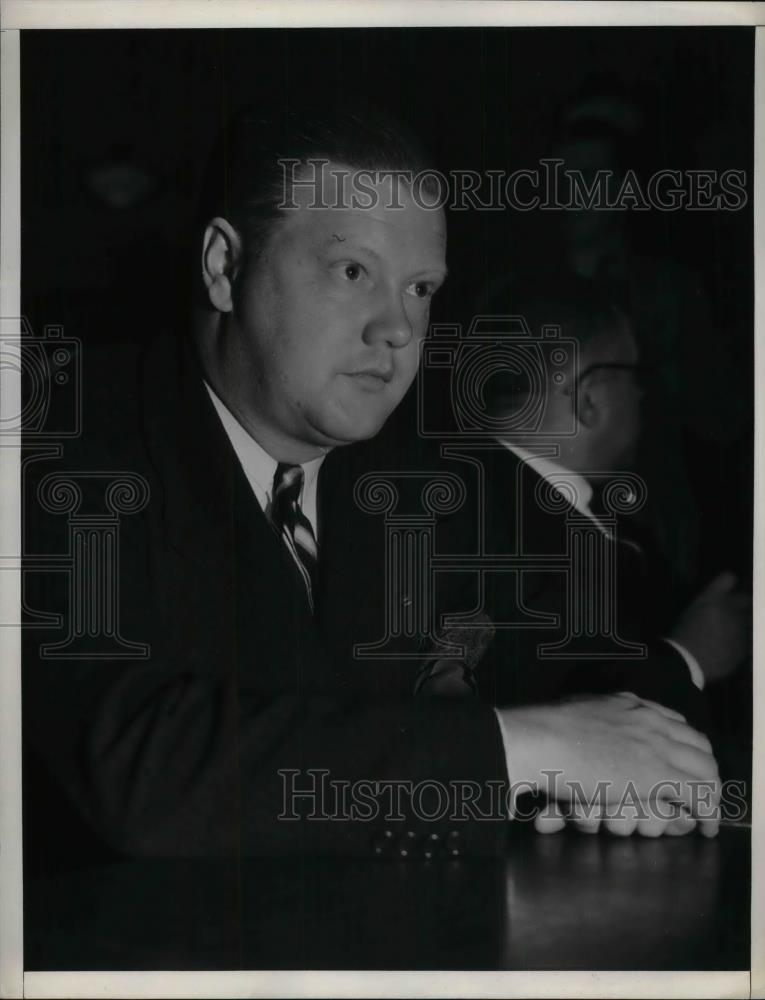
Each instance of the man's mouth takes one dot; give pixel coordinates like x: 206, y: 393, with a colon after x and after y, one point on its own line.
x: 373, y: 379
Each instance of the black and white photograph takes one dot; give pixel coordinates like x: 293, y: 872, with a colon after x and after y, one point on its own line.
x: 379, y: 435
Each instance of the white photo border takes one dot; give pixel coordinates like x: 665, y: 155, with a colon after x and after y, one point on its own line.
x: 19, y: 15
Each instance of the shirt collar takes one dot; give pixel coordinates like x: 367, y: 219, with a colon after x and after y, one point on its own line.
x: 258, y: 465
x: 548, y: 469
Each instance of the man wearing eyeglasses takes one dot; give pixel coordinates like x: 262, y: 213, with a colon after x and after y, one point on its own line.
x: 563, y: 491
x: 252, y: 575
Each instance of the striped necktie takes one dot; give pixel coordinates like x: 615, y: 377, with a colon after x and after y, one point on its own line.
x: 290, y: 522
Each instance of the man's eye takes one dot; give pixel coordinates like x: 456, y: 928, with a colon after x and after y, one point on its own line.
x: 421, y: 289
x: 352, y: 271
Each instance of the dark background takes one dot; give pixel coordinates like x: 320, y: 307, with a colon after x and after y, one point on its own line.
x: 481, y: 99
x: 116, y: 127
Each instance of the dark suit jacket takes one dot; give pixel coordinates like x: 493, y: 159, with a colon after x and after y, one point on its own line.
x: 179, y: 753
x: 516, y: 670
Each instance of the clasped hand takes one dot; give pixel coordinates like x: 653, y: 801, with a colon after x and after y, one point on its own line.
x: 618, y: 762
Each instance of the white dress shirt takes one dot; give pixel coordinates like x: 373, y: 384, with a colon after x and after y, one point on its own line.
x: 260, y: 468
x: 547, y: 468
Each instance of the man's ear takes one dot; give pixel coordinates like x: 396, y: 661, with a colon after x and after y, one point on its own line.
x: 221, y: 252
x: 588, y: 410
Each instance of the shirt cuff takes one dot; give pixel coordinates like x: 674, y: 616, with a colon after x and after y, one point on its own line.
x: 697, y: 674
x: 503, y: 734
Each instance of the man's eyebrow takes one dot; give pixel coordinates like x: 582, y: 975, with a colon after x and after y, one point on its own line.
x: 441, y: 270
x: 335, y: 238
x: 349, y: 243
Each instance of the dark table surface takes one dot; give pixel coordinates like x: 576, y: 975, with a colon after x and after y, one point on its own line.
x: 567, y: 901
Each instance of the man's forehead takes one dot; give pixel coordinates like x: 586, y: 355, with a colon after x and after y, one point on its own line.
x: 380, y: 225
x: 338, y: 225
x: 381, y: 194
x: 338, y: 185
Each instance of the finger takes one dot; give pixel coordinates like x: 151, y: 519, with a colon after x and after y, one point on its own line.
x: 621, y: 826
x: 654, y: 826
x: 658, y: 825
x: 709, y: 827
x: 637, y: 703
x: 700, y: 799
x: 689, y: 762
x: 681, y: 826
x: 687, y: 750
x: 550, y: 818
x: 677, y: 730
x: 668, y: 713
x: 548, y: 824
x: 674, y: 819
x: 628, y: 696
x: 585, y: 817
x: 589, y: 825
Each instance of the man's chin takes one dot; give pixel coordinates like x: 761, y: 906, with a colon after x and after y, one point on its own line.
x: 361, y: 432
x: 356, y: 423
x: 334, y: 434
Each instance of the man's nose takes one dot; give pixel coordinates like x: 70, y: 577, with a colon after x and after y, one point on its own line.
x: 390, y: 323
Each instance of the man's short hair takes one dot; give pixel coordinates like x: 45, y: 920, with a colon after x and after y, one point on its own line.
x: 245, y: 181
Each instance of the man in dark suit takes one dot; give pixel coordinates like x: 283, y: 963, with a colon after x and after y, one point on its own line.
x: 249, y: 577
x: 565, y: 488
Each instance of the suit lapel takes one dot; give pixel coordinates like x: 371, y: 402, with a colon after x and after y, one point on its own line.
x: 214, y: 544
x: 206, y: 498
x: 221, y: 552
x: 189, y: 449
